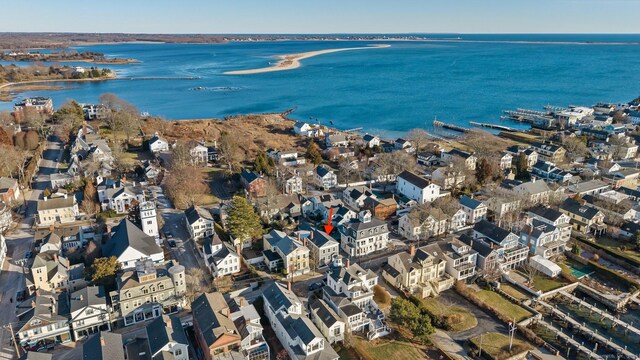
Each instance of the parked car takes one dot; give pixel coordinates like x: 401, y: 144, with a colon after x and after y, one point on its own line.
x: 28, y: 255
x: 315, y: 286
x: 172, y: 243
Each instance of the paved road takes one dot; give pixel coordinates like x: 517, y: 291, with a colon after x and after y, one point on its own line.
x: 19, y: 242
x: 486, y: 322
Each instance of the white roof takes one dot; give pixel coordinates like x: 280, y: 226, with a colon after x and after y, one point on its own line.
x: 553, y: 267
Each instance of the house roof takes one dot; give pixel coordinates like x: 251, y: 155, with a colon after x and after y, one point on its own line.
x: 126, y: 235
x: 491, y: 231
x: 279, y: 296
x: 414, y: 179
x: 103, y: 346
x: 630, y: 227
x: 195, y: 213
x: 249, y: 176
x: 546, y: 212
x: 547, y: 146
x: 469, y: 202
x: 164, y: 330
x: 575, y: 207
x: 56, y: 203
x: 319, y: 238
x: 7, y: 183
x: 483, y: 248
x: 322, y: 171
x: 324, y: 312
x: 89, y: 296
x: 534, y: 187
x: 369, y: 137
x: 208, y: 311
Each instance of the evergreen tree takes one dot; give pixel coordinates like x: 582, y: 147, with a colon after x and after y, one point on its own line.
x: 243, y: 221
x: 522, y: 168
x: 313, y: 153
x: 263, y: 164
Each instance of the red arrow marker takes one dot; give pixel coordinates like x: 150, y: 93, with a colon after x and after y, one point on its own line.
x: 329, y: 228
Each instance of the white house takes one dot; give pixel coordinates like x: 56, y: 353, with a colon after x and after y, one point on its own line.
x: 364, y: 236
x: 297, y: 334
x: 199, y: 154
x: 89, y: 312
x: 165, y: 334
x: 370, y: 141
x: 120, y: 196
x: 199, y: 222
x: 129, y: 244
x: 506, y: 161
x: 45, y: 320
x: 327, y: 320
x: 325, y: 178
x: 220, y: 258
x: 61, y: 210
x: 415, y: 187
x: 307, y: 130
x: 158, y: 144
x: 149, y: 220
x: 474, y: 209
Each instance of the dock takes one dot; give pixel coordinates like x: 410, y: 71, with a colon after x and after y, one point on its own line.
x: 457, y: 128
x: 493, y: 126
x: 602, y: 313
x: 570, y: 340
x: 587, y: 331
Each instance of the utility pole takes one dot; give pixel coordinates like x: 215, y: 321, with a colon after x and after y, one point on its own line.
x: 13, y: 339
x: 512, y: 331
x: 480, y: 352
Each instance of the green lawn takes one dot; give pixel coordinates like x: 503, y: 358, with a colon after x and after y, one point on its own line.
x: 458, y: 318
x: 504, y: 306
x: 545, y: 283
x: 497, y: 345
x: 513, y: 291
x: 615, y: 246
x: 381, y: 349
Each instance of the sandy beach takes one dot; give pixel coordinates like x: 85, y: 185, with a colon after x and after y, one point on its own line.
x: 292, y: 61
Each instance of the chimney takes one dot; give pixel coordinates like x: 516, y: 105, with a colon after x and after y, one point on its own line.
x: 55, y: 257
x: 65, y: 195
x: 299, y: 236
x: 311, y: 234
x: 412, y: 250
x: 242, y: 302
x: 51, y: 228
x: 348, y: 263
x: 289, y: 285
x: 45, y: 198
x: 108, y: 232
x: 81, y: 297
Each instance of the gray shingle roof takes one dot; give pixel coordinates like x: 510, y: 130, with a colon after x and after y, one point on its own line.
x: 414, y: 179
x: 126, y: 235
x: 279, y: 296
x: 469, y: 202
x: 89, y: 296
x: 195, y: 212
x: 164, y: 330
x: 103, y: 346
x: 491, y: 231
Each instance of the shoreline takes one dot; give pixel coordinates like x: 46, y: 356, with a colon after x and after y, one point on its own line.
x: 6, y: 88
x: 292, y: 61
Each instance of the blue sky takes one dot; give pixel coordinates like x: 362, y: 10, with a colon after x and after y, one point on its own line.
x: 324, y: 16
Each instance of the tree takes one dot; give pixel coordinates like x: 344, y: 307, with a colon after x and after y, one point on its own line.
x: 313, y: 153
x: 484, y: 171
x: 381, y: 296
x: 522, y: 166
x: 120, y: 115
x: 36, y: 120
x: 180, y: 155
x: 185, y: 185
x: 229, y: 151
x: 392, y: 164
x: 348, y: 171
x: 5, y: 139
x: 195, y: 280
x: 104, y: 270
x: 404, y: 312
x: 243, y: 222
x: 418, y: 137
x: 619, y: 117
x: 31, y: 140
x: 575, y: 146
x: 68, y: 119
x: 637, y: 240
x: 263, y: 164
x: 89, y: 200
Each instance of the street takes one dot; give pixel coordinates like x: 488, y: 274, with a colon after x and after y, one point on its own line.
x: 19, y: 243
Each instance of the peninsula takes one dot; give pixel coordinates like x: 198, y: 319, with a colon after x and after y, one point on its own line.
x: 292, y: 61
x: 64, y: 56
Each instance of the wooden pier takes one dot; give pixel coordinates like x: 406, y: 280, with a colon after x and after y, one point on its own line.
x: 457, y: 128
x: 603, y: 314
x: 494, y: 126
x: 569, y: 340
x: 592, y: 334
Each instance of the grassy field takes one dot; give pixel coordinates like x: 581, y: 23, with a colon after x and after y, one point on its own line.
x: 382, y: 349
x: 504, y: 306
x: 513, y: 291
x: 545, y: 283
x: 496, y: 345
x: 616, y: 246
x: 458, y: 318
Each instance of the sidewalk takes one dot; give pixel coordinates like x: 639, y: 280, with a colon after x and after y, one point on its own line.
x: 443, y: 341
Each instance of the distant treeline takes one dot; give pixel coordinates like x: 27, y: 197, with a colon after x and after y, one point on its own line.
x: 14, y: 73
x: 57, y: 56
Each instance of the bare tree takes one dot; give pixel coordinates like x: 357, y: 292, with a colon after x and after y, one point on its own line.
x: 230, y: 152
x: 185, y: 186
x: 419, y: 138
x: 575, y: 147
x: 394, y: 163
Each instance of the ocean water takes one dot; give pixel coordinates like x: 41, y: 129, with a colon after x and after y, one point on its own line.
x: 387, y: 90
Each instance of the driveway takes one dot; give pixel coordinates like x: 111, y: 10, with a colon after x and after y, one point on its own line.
x: 486, y: 322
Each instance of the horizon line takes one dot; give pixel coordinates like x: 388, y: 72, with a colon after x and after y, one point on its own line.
x: 320, y: 33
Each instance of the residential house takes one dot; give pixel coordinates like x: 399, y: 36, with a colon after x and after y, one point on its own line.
x: 590, y: 187
x: 584, y: 218
x: 535, y: 192
x: 129, y: 244
x: 420, y: 271
x: 9, y: 190
x: 336, y: 140
x: 216, y: 334
x: 423, y: 223
x: 51, y: 272
x: 199, y: 154
x: 327, y: 320
x: 542, y: 239
x: 511, y: 254
x: 552, y: 217
x: 354, y: 196
x: 370, y: 141
x: 325, y: 178
x: 428, y: 158
x: 381, y: 209
x: 149, y: 219
x: 349, y: 292
x: 625, y: 177
x: 103, y: 346
x: 158, y: 144
x: 286, y: 157
x: 254, y: 184
x: 199, y: 222
x: 297, y: 334
x: 148, y: 291
x: 323, y: 249
x: 89, y: 312
x: 120, y: 196
x: 506, y: 161
x: 548, y: 171
x: 60, y: 180
x: 415, y: 187
x: 247, y: 320
x: 220, y: 258
x: 550, y: 152
x: 37, y: 104
x: 461, y: 259
x: 61, y: 210
x: 167, y: 339
x: 292, y: 185
x: 402, y: 144
x: 448, y: 177
x: 45, y: 321
x: 294, y: 253
x: 488, y: 256
x: 364, y: 236
x: 469, y: 159
x: 307, y: 130
x: 62, y: 238
x: 475, y: 210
